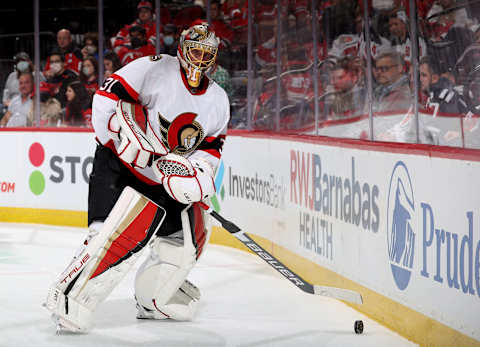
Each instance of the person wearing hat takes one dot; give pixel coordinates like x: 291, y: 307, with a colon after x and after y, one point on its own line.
x: 145, y: 19
x: 22, y: 64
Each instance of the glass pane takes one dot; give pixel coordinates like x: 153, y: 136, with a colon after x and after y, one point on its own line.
x: 297, y: 90
x: 394, y: 118
x: 265, y: 65
x: 16, y: 69
x: 69, y: 78
x: 449, y: 74
x: 230, y: 23
x: 341, y: 72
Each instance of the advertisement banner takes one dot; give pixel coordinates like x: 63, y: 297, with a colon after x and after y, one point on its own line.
x: 404, y: 225
x: 48, y: 170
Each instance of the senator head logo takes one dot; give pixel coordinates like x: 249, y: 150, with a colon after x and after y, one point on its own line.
x: 183, y: 134
x: 400, y: 233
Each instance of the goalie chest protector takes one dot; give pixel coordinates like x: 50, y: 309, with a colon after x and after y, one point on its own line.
x: 182, y: 119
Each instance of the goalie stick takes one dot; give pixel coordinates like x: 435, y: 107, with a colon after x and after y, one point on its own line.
x: 332, y: 292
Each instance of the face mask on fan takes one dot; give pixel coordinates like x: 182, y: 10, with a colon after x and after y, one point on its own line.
x: 22, y: 66
x: 87, y: 71
x: 168, y: 40
x: 56, y: 67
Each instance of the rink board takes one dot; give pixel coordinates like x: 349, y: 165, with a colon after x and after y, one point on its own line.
x: 327, y: 208
x: 399, y: 224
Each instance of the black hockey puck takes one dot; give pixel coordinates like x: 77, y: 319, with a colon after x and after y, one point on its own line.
x: 358, y: 327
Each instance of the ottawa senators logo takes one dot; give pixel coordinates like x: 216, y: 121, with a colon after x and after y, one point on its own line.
x: 183, y: 134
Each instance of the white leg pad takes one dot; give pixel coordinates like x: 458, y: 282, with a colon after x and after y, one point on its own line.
x: 100, y: 265
x: 160, y: 282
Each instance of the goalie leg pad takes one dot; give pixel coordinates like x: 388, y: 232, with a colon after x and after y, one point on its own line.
x: 160, y: 284
x: 104, y: 260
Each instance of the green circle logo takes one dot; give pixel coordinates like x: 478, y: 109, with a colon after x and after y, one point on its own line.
x: 37, y: 182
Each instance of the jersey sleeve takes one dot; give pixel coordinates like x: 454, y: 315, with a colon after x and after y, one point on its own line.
x: 125, y: 84
x: 210, y: 149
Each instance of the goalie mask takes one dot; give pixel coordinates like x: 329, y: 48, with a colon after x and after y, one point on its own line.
x: 197, y: 51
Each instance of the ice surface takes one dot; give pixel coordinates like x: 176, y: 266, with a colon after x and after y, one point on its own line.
x: 244, y: 303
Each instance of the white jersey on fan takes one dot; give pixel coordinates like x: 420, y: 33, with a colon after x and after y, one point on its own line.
x: 191, y: 124
x: 405, y: 49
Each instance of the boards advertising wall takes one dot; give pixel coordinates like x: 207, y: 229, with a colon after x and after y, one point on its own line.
x: 404, y: 225
x: 47, y: 170
x: 401, y: 221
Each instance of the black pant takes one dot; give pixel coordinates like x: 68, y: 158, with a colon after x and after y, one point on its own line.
x: 108, y: 179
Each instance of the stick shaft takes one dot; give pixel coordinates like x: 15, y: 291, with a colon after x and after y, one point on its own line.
x: 337, y: 293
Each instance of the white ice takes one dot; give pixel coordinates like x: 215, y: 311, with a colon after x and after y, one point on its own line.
x: 244, y: 303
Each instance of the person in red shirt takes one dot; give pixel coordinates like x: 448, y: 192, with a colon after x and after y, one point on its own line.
x: 58, y: 79
x: 146, y: 20
x: 72, y: 54
x: 218, y: 25
x: 138, y: 47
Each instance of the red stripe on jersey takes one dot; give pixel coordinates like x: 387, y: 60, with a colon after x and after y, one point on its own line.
x: 199, y: 231
x: 207, y: 142
x: 107, y: 95
x: 213, y: 152
x: 127, y: 86
x: 128, y: 239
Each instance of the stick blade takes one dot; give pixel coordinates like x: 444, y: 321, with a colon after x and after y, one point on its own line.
x: 338, y: 293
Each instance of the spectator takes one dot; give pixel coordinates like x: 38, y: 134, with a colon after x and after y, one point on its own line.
x: 349, y: 95
x: 345, y: 45
x: 170, y: 40
x: 145, y: 19
x: 21, y: 104
x: 111, y: 63
x: 378, y: 43
x: 223, y: 79
x: 442, y: 96
x: 58, y: 80
x: 392, y: 92
x: 50, y: 113
x: 218, y: 25
x: 89, y: 75
x: 458, y: 17
x: 235, y: 13
x: 139, y: 46
x: 78, y: 111
x: 400, y: 37
x: 449, y: 39
x: 91, y: 45
x: 22, y: 64
x: 72, y: 54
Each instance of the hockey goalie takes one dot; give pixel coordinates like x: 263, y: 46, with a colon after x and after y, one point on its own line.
x: 160, y: 124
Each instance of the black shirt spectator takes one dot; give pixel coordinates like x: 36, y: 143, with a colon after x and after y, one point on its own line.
x: 56, y: 85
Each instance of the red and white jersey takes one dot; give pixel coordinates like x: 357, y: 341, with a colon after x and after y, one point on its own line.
x: 406, y: 50
x: 189, y: 123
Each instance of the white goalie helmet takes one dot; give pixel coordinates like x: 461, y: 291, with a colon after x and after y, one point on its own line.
x: 197, y: 51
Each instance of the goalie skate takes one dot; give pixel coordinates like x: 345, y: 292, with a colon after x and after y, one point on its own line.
x: 186, y: 293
